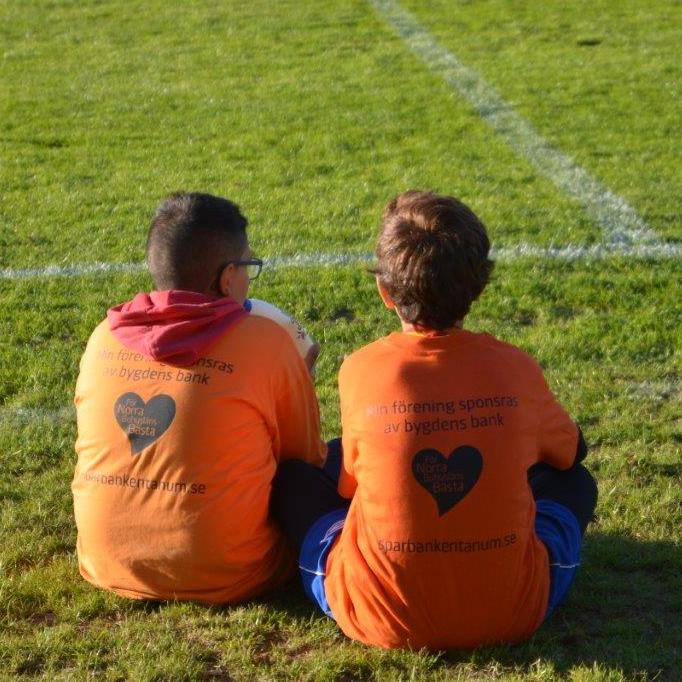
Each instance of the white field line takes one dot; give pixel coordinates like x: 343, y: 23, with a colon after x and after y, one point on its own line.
x: 75, y: 270
x: 619, y: 221
x: 31, y: 414
x: 569, y: 252
x: 668, y: 390
x: 659, y: 390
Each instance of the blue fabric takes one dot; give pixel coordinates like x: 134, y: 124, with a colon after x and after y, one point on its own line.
x: 558, y: 529
x: 313, y: 557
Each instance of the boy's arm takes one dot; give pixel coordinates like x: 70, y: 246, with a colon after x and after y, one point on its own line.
x: 347, y: 481
x: 561, y: 442
x: 581, y: 450
x: 297, y: 412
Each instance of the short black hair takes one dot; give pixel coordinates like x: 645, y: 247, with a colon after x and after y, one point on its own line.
x: 191, y: 236
x: 432, y: 255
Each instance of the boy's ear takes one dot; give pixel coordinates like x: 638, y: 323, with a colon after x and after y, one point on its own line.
x: 385, y: 297
x: 225, y: 280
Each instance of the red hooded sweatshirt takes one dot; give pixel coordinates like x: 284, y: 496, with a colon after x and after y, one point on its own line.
x: 173, y: 326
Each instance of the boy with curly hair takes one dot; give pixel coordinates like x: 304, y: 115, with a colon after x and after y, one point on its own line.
x: 461, y: 502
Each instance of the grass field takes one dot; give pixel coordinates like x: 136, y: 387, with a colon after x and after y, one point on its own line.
x: 311, y: 115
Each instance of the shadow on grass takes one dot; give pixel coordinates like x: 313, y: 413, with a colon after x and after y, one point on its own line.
x: 624, y: 613
x: 289, y: 598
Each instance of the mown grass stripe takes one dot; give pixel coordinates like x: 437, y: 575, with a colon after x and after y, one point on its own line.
x: 619, y: 221
x: 656, y: 251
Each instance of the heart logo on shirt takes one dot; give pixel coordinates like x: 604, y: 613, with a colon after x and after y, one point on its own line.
x: 143, y: 422
x: 448, y: 479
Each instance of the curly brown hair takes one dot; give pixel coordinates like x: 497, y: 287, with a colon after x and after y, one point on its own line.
x: 432, y: 254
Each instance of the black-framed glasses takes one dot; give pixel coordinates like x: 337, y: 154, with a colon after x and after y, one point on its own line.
x: 253, y: 268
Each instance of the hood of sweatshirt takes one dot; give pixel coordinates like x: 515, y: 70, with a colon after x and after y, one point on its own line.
x: 174, y: 327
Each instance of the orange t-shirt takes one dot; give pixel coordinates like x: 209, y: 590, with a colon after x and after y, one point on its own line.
x: 172, y: 485
x: 439, y: 549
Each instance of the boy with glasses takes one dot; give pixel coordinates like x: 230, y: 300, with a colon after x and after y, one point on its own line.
x: 186, y: 404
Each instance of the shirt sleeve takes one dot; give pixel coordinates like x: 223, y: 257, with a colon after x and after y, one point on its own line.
x: 347, y: 480
x: 558, y: 433
x: 297, y: 412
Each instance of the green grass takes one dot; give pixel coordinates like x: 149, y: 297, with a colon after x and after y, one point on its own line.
x: 311, y: 115
x: 595, y: 78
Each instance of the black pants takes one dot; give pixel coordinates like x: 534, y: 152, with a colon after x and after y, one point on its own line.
x: 302, y: 493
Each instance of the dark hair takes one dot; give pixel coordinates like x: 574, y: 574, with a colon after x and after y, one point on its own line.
x: 191, y: 235
x: 432, y: 256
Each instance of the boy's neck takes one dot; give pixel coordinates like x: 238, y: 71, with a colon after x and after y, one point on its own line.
x: 409, y: 328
